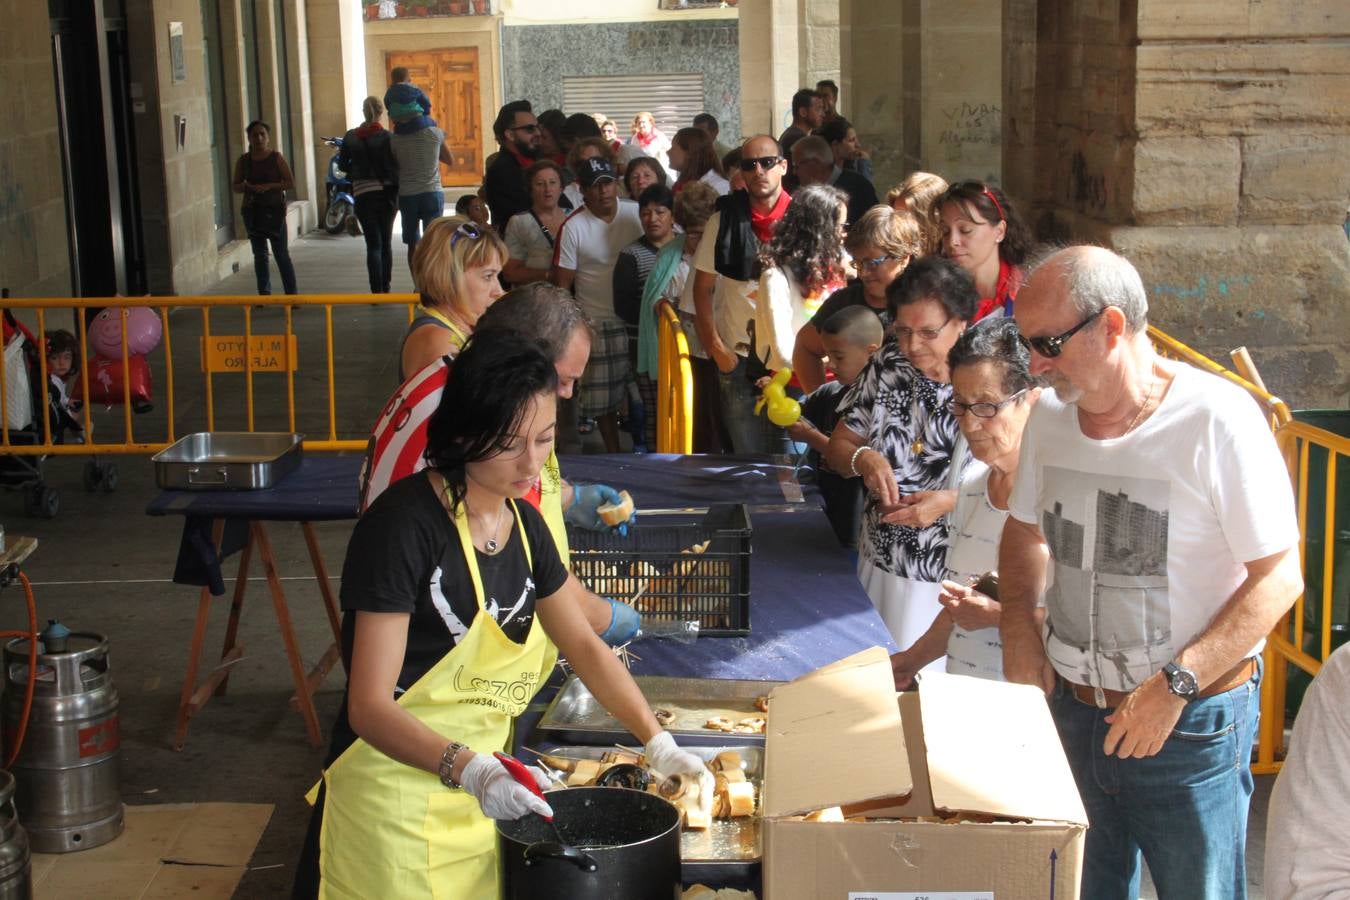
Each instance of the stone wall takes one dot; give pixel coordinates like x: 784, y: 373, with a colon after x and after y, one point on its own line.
x: 1210, y: 143
x: 34, y: 254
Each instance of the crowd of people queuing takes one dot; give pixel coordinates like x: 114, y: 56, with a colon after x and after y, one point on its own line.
x: 1029, y: 490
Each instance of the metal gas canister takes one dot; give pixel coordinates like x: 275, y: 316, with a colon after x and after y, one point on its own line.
x: 67, y: 790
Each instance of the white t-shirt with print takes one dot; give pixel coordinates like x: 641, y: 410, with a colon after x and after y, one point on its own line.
x: 972, y: 550
x: 1148, y: 532
x: 589, y: 245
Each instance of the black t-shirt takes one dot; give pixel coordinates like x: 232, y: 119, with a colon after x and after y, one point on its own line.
x: 844, y: 497
x: 405, y: 556
x: 852, y: 295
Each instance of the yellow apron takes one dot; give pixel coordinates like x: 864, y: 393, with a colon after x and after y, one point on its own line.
x: 550, y: 505
x: 391, y: 830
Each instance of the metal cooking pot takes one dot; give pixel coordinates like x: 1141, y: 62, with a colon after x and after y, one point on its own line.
x: 621, y: 844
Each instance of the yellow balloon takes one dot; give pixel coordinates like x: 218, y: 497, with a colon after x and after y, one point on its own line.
x: 782, y: 377
x: 773, y: 392
x: 784, y: 412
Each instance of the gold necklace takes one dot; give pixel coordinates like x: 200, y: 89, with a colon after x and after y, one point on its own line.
x: 1152, y: 383
x: 490, y: 546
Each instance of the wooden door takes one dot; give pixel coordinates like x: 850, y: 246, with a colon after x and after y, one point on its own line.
x: 450, y: 78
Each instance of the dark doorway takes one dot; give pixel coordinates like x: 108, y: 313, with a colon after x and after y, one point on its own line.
x: 98, y: 146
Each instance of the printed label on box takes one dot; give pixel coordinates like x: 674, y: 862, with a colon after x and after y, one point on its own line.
x: 921, y: 895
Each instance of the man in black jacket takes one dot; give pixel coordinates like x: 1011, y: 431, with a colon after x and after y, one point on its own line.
x: 517, y: 132
x: 813, y: 161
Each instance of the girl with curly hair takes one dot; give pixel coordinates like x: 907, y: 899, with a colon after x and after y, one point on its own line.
x: 802, y: 265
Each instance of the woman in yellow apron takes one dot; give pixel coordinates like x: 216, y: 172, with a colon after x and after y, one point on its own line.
x: 455, y: 267
x: 444, y: 578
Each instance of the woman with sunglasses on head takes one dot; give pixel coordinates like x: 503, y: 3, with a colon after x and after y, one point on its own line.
x: 882, y: 242
x: 802, y: 265
x: 982, y: 233
x: 897, y: 433
x: 530, y: 235
x: 456, y: 606
x: 993, y: 392
x: 455, y: 269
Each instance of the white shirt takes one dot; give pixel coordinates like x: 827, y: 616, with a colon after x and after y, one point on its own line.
x: 589, y: 245
x: 680, y: 293
x: 780, y: 312
x: 1148, y: 532
x: 977, y: 526
x: 716, y: 182
x: 733, y: 301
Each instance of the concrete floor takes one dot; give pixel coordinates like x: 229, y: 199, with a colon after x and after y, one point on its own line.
x: 104, y: 565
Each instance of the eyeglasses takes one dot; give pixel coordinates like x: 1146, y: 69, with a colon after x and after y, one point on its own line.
x: 760, y: 162
x: 529, y: 128
x: 927, y: 334
x: 877, y: 263
x: 467, y: 230
x: 1053, y: 345
x: 982, y: 410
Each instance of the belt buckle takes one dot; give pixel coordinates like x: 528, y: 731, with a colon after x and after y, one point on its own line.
x: 1099, y: 696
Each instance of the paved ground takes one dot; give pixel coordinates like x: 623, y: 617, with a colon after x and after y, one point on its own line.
x: 104, y: 565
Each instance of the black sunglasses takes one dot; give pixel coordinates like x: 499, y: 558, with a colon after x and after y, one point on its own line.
x: 466, y: 230
x: 530, y: 128
x: 760, y: 162
x: 1051, y: 346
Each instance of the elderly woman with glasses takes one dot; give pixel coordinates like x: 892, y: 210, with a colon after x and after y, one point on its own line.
x: 897, y: 433
x: 982, y: 233
x: 881, y: 242
x: 455, y: 269
x: 993, y: 392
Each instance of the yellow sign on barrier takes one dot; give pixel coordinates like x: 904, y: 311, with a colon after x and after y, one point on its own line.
x: 225, y: 353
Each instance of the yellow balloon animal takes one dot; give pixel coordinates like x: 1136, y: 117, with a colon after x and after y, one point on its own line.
x: 782, y: 409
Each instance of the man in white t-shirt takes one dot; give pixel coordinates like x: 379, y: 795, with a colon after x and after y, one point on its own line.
x: 1152, y: 498
x: 588, y: 245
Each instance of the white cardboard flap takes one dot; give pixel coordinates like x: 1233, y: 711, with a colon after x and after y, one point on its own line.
x: 834, y: 737
x: 993, y: 748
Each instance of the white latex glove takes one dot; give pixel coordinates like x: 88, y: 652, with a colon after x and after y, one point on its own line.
x: 667, y: 759
x: 498, y: 794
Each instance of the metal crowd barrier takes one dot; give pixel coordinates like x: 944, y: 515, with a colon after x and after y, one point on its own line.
x: 130, y: 442
x: 674, y: 385
x: 1285, y: 644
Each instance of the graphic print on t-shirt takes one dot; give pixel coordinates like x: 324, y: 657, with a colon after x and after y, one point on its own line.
x: 1109, y: 600
x: 455, y: 625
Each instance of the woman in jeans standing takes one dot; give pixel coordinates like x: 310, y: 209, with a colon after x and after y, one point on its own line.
x: 369, y: 163
x: 263, y: 177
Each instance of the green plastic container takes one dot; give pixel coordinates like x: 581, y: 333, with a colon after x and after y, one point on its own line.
x: 1337, y: 421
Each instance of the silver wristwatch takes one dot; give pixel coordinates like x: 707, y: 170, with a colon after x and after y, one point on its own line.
x: 1181, y: 681
x: 448, y: 763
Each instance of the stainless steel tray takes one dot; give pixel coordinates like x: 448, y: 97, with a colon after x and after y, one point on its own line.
x: 227, y: 461
x: 576, y: 716
x: 729, y: 842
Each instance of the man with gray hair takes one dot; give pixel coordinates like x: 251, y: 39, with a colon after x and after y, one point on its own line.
x: 1156, y: 495
x: 813, y: 163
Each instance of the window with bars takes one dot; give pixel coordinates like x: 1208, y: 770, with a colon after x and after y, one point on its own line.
x: 672, y: 99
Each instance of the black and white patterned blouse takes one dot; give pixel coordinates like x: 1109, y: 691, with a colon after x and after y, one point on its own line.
x: 898, y: 411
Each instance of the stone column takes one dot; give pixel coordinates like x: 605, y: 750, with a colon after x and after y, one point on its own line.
x: 818, y: 41
x: 768, y: 36
x: 1210, y: 143
x: 337, y: 83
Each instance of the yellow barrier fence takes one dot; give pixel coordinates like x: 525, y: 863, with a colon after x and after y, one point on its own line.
x: 222, y: 355
x: 674, y: 385
x: 1287, y: 643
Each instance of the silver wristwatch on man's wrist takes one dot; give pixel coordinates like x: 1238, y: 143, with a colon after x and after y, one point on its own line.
x: 1181, y: 681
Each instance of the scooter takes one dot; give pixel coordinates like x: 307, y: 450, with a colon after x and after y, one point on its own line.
x: 341, y: 214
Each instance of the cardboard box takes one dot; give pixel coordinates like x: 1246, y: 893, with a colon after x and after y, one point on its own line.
x: 962, y: 787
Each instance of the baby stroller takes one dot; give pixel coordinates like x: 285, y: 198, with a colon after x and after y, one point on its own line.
x: 26, y: 399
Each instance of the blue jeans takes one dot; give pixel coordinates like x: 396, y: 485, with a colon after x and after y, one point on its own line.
x: 749, y: 433
x: 282, y: 252
x: 1185, y: 808
x: 418, y: 210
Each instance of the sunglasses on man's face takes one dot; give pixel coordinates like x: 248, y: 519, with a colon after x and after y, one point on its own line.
x: 760, y: 162
x: 1051, y: 346
x: 527, y: 128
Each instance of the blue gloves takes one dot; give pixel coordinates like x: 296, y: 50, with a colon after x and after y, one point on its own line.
x: 623, y: 624
x: 585, y: 499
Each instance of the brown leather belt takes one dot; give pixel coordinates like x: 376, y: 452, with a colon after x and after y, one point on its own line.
x: 1234, y: 677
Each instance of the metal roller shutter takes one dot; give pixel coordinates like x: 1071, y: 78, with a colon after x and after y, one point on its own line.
x: 672, y: 99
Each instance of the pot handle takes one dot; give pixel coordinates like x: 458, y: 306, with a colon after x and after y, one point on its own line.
x: 553, y: 850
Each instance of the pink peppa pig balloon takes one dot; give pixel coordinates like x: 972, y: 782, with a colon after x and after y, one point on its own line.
x: 144, y: 330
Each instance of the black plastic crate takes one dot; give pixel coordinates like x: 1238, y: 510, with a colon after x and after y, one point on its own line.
x: 677, y: 583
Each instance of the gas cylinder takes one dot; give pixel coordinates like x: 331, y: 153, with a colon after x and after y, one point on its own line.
x: 66, y: 782
x: 16, y: 860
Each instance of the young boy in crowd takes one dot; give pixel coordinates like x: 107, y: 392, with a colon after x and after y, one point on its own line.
x: 408, y: 106
x: 472, y: 207
x: 850, y: 337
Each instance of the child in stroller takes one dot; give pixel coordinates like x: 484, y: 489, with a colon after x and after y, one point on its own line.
x: 63, y: 366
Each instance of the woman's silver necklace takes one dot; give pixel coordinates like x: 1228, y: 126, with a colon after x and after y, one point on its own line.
x: 490, y: 546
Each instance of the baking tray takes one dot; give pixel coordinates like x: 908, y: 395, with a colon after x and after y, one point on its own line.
x: 575, y: 716
x: 728, y: 843
x: 227, y: 461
